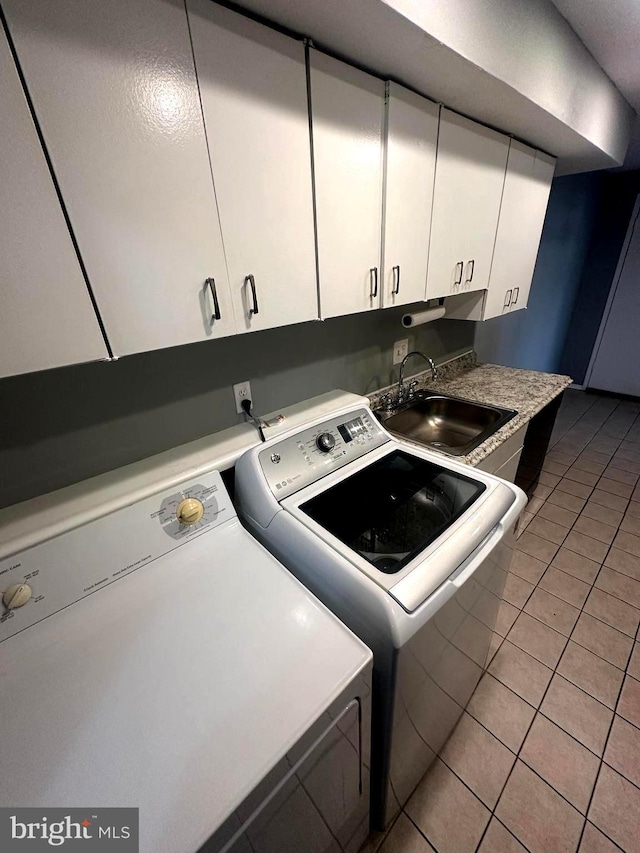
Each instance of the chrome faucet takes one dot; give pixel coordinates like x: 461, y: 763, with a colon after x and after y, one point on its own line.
x: 401, y: 392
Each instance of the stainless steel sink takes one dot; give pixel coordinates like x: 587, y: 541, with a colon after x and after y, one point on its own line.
x: 449, y: 424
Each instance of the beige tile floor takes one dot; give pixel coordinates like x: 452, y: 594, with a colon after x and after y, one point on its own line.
x: 546, y: 757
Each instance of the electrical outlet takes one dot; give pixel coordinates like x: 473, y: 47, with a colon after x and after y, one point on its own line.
x: 400, y: 349
x: 241, y: 391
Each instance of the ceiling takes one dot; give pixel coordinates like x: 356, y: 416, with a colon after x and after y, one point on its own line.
x: 549, y: 92
x: 610, y: 30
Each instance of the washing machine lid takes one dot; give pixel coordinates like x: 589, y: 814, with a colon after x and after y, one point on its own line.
x: 174, y: 689
x: 405, y: 518
x: 392, y: 510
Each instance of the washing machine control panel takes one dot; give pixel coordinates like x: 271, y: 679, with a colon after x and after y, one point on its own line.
x: 301, y: 459
x: 44, y: 579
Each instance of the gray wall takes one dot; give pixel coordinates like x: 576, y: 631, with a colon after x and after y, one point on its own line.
x: 62, y: 426
x: 535, y: 338
x: 618, y: 198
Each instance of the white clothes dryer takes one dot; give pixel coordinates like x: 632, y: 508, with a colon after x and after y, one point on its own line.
x: 159, y: 657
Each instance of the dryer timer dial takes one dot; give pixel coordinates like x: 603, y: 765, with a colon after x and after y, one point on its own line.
x: 16, y: 595
x: 190, y: 511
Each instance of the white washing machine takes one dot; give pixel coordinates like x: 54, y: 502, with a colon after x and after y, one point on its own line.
x: 158, y: 657
x: 410, y: 549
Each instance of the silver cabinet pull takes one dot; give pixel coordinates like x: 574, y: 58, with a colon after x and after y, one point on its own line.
x: 252, y: 283
x: 396, y: 278
x: 469, y: 277
x: 459, y: 269
x: 373, y: 275
x: 211, y: 283
x: 507, y: 299
x: 516, y: 293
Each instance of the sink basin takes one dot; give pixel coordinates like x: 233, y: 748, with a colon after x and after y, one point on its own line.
x: 449, y: 424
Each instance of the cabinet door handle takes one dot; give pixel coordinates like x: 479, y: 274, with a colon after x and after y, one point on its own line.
x: 211, y: 282
x: 252, y: 284
x: 396, y: 274
x: 507, y: 299
x: 459, y: 269
x: 373, y: 274
x: 516, y: 293
x: 469, y: 277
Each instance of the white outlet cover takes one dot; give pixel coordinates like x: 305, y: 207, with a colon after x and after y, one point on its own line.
x: 242, y: 391
x: 400, y: 349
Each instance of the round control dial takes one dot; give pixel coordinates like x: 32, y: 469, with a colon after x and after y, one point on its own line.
x: 325, y: 442
x: 190, y: 511
x: 16, y: 596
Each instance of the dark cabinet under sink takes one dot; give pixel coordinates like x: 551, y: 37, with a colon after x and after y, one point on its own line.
x: 536, y: 444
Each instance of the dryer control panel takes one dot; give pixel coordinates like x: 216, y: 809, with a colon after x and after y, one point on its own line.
x: 42, y: 580
x: 301, y: 459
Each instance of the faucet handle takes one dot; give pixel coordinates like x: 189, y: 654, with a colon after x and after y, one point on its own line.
x: 386, y: 402
x: 434, y: 370
x: 412, y: 389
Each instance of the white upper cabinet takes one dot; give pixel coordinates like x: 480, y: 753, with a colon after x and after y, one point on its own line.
x: 470, y: 171
x: 524, y: 203
x: 347, y: 111
x: 253, y: 85
x: 114, y: 88
x: 410, y: 159
x: 46, y: 316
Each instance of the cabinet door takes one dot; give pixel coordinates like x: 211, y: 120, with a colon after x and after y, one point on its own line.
x: 470, y: 170
x: 410, y: 158
x: 253, y: 84
x: 524, y: 204
x: 114, y: 89
x: 46, y: 315
x: 509, y: 470
x: 347, y: 111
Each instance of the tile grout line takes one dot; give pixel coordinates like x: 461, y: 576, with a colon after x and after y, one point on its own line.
x: 554, y: 670
x: 416, y: 827
x: 579, y: 418
x: 563, y: 545
x: 604, y: 749
x: 593, y: 437
x: 570, y: 529
x: 451, y: 770
x: 610, y: 545
x: 538, y: 711
x: 613, y: 716
x: 592, y: 585
x: 570, y: 637
x: 542, y: 713
x: 581, y: 609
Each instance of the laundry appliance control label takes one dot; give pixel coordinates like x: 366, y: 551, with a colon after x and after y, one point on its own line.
x: 295, y: 462
x: 42, y: 580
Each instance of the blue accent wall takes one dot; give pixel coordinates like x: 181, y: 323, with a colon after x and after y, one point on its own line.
x: 619, y: 194
x: 534, y: 338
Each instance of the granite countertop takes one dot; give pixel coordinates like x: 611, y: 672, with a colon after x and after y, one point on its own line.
x: 526, y: 391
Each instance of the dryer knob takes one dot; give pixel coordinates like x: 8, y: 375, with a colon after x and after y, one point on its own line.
x: 16, y: 595
x: 190, y: 511
x: 325, y: 442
